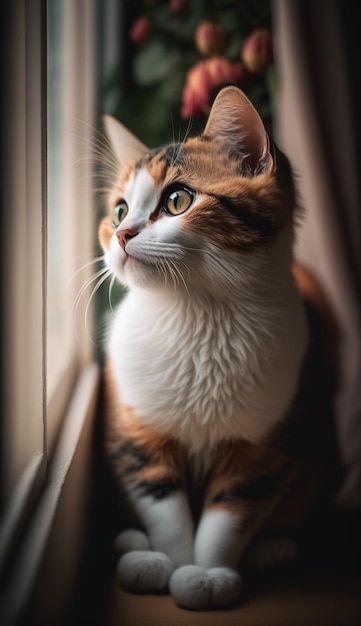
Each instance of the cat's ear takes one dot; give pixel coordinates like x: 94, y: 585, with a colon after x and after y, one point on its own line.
x: 234, y: 120
x: 125, y: 145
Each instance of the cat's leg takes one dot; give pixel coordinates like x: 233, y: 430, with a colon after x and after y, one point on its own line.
x: 213, y: 580
x: 237, y: 504
x: 166, y: 544
x: 151, y: 472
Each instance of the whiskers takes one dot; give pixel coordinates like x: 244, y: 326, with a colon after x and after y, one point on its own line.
x: 86, y: 293
x: 96, y: 164
x: 179, y: 142
x: 173, y: 269
x: 111, y: 285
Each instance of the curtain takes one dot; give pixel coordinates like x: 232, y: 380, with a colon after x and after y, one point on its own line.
x: 317, y: 126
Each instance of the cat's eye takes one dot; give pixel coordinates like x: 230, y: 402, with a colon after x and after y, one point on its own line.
x: 178, y: 200
x: 119, y: 214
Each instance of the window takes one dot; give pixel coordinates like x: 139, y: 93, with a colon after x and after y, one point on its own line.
x: 50, y: 226
x: 24, y: 251
x: 47, y: 236
x: 71, y: 214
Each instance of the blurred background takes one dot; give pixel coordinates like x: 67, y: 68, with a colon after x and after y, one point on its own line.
x: 176, y: 54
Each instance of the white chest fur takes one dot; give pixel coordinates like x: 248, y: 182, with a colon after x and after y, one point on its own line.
x: 203, y: 371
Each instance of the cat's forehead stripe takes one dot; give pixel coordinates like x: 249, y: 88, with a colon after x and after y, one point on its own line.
x: 159, y: 160
x: 167, y: 154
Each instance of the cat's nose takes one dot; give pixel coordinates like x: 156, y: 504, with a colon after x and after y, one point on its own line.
x: 124, y: 234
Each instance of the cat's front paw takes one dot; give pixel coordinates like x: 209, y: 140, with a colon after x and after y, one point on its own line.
x: 193, y: 587
x: 143, y: 570
x: 131, y: 539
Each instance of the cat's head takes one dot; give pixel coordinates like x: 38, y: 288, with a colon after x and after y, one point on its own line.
x: 206, y: 213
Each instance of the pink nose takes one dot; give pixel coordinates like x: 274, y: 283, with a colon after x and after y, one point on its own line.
x: 124, y: 235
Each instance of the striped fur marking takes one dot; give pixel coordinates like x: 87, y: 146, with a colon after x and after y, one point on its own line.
x: 158, y: 489
x: 260, y: 488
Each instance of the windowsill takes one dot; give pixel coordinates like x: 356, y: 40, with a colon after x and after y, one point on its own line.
x: 72, y: 449
x: 315, y: 599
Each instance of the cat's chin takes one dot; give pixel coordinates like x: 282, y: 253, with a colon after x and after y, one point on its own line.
x: 139, y: 273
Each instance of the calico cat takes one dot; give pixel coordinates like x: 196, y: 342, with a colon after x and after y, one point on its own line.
x: 214, y: 400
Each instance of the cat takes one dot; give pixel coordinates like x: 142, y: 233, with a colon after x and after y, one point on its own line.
x: 214, y: 396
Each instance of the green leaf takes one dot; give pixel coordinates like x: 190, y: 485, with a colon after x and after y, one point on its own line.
x: 234, y: 47
x: 272, y: 79
x: 155, y: 62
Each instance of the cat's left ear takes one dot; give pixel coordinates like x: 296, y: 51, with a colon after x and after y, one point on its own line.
x: 125, y: 145
x: 234, y: 120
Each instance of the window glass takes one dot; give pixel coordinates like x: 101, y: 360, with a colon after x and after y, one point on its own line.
x: 71, y: 216
x: 57, y: 307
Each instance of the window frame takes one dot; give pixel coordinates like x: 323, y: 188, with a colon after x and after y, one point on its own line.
x: 24, y: 250
x: 58, y: 420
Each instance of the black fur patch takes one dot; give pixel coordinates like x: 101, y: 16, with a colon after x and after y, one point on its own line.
x: 158, y: 489
x: 253, y: 221
x: 138, y: 459
x: 170, y: 155
x: 259, y: 489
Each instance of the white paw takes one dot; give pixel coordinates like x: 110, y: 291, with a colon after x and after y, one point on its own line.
x: 144, y: 570
x: 129, y: 540
x: 270, y: 552
x: 193, y: 587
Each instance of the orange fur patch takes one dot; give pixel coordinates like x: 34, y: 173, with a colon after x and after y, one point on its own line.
x: 123, y: 426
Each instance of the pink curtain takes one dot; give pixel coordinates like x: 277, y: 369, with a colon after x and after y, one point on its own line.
x: 317, y: 128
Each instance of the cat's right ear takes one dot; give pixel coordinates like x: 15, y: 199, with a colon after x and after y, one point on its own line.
x: 125, y: 145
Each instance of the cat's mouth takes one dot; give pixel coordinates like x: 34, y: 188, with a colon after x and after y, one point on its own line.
x: 140, y: 254
x: 134, y: 258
